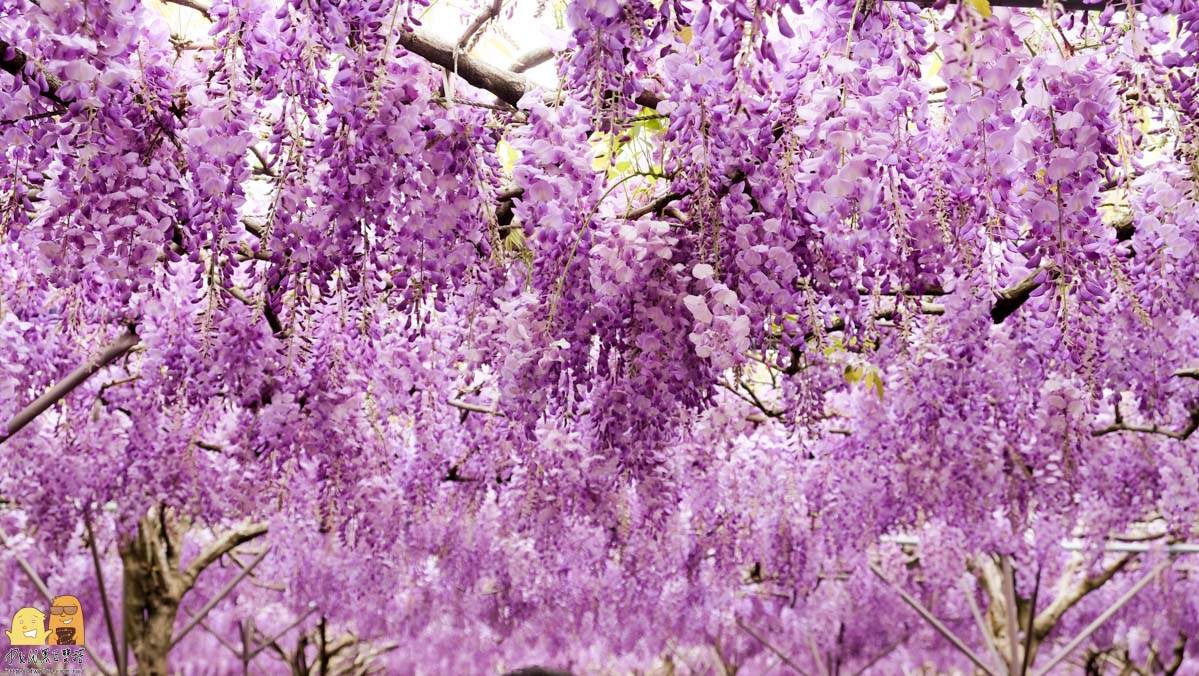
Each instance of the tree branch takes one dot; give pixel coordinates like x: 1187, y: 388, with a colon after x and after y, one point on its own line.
x: 481, y: 20
x: 1010, y: 299
x: 838, y: 324
x: 1008, y: 586
x: 1103, y: 617
x: 203, y: 8
x: 1026, y: 662
x: 264, y: 167
x: 255, y: 581
x: 1181, y: 435
x: 219, y: 547
x: 112, y: 634
x: 13, y: 61
x: 655, y: 206
x: 881, y: 654
x: 35, y: 116
x: 475, y: 408
x: 274, y: 639
x: 272, y: 318
x: 934, y: 622
x: 983, y: 631
x: 1047, y: 619
x: 203, y: 612
x: 1179, y: 653
x: 1124, y: 228
x: 111, y: 353
x: 532, y: 59
x: 204, y: 625
x: 508, y: 87
x: 780, y: 654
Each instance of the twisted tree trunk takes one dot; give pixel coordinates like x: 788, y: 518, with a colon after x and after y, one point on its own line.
x: 152, y: 592
x: 155, y: 584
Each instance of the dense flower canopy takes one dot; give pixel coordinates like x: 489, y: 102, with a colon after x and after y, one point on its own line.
x: 763, y: 316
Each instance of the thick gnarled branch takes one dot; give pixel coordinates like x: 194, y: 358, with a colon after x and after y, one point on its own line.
x: 1103, y: 617
x: 1069, y: 596
x: 227, y: 542
x: 507, y: 86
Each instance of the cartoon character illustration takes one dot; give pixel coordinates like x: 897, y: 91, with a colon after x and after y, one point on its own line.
x: 66, y: 621
x: 28, y: 628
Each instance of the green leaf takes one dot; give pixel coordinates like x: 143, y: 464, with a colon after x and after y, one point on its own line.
x: 983, y: 7
x: 874, y: 379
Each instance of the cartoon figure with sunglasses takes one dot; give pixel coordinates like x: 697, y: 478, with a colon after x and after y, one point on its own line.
x: 66, y: 621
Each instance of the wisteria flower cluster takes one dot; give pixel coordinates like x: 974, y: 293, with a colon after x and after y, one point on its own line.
x: 836, y: 335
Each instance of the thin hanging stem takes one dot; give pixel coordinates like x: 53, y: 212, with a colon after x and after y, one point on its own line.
x: 561, y: 285
x: 219, y: 597
x: 936, y: 624
x: 112, y: 634
x: 982, y: 626
x: 778, y: 653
